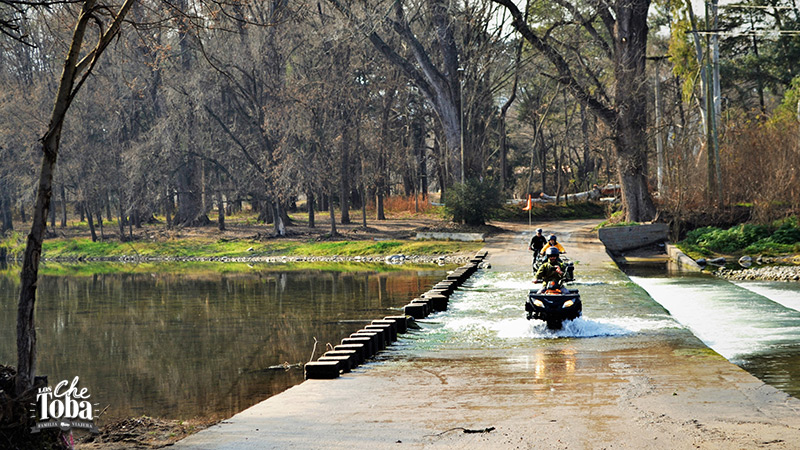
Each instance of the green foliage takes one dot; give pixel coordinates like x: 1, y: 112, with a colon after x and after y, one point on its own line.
x: 473, y: 202
x: 682, y: 53
x: 780, y: 237
x: 788, y: 232
x: 787, y: 111
x: 617, y: 219
x: 85, y: 248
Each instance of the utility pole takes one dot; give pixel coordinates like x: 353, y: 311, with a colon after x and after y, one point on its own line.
x: 659, y: 142
x: 710, y: 82
x: 717, y: 97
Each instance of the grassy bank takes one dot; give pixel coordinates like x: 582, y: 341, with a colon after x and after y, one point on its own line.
x: 779, y: 237
x: 73, y: 248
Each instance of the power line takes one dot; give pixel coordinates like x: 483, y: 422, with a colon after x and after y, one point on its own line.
x: 739, y: 6
x: 749, y: 32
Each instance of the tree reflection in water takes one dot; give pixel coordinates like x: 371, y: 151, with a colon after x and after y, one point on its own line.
x: 187, y: 345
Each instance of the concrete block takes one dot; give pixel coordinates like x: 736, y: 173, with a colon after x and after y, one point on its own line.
x: 386, y: 329
x: 393, y: 325
x: 361, y: 349
x: 415, y: 310
x: 424, y: 301
x: 353, y: 355
x: 322, y: 370
x: 344, y: 362
x: 401, y: 321
x: 620, y: 239
x: 366, y: 340
x: 378, y: 339
x: 438, y: 302
x: 433, y: 292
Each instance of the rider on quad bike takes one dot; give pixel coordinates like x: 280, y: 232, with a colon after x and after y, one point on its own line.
x: 552, y: 241
x: 536, y: 244
x: 553, y: 270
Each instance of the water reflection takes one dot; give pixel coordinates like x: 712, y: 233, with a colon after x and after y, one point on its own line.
x: 185, y: 345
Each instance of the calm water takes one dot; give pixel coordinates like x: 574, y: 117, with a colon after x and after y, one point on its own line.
x: 180, y: 346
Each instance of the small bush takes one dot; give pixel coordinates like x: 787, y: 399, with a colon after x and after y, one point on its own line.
x: 473, y: 202
x: 788, y: 232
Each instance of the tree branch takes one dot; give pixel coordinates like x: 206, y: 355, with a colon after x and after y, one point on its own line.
x: 565, y: 75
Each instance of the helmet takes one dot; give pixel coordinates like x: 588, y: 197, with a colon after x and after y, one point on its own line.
x: 538, y: 230
x: 552, y: 251
x: 552, y: 238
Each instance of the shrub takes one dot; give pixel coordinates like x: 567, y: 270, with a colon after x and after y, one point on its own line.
x: 473, y: 202
x: 746, y: 238
x: 788, y: 232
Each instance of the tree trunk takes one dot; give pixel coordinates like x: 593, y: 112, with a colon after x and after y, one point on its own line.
x: 220, y: 205
x: 344, y: 174
x: 363, y: 206
x: 333, y: 218
x: 277, y: 217
x: 168, y: 208
x: 53, y: 218
x: 90, y: 220
x: 121, y: 216
x: 220, y: 212
x: 630, y: 142
x: 310, y: 204
x: 73, y: 68
x: 5, y: 211
x: 100, y: 223
x: 63, y: 207
x: 190, y: 202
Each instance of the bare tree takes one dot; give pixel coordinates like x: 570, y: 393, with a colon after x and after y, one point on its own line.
x: 75, y: 72
x: 622, y: 39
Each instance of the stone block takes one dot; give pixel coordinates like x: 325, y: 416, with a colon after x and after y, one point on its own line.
x: 322, y: 370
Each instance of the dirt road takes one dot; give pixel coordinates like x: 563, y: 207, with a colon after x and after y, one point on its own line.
x: 635, y: 393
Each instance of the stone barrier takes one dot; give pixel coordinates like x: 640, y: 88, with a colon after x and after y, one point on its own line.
x: 324, y: 370
x: 367, y: 342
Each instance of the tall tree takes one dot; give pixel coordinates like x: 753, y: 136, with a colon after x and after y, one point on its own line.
x: 618, y: 31
x: 76, y: 70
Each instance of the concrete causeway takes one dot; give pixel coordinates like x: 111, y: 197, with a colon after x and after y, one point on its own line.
x: 642, y: 395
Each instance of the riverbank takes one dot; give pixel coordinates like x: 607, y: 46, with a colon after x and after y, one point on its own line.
x: 769, y: 273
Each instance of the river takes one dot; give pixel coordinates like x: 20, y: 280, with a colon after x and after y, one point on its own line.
x: 177, y: 343
x: 180, y: 345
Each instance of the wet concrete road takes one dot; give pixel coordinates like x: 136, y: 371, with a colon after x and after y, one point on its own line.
x: 659, y: 389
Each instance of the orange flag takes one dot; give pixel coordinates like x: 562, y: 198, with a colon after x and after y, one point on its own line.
x: 529, y: 205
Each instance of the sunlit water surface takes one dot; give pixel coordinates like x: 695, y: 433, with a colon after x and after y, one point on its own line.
x: 196, y: 344
x: 755, y: 325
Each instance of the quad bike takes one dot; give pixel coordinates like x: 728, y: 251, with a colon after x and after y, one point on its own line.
x: 555, y: 305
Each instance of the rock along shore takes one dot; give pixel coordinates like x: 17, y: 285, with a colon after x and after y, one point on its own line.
x: 390, y: 259
x: 770, y: 273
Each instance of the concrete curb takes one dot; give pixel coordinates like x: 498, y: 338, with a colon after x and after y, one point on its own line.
x: 682, y: 260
